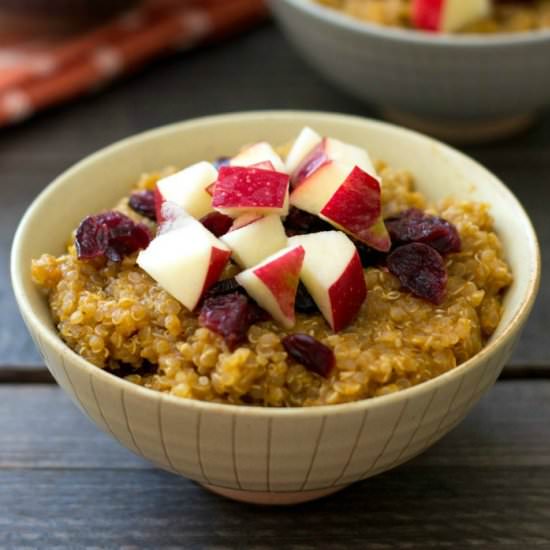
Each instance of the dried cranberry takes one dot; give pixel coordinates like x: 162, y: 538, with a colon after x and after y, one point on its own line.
x: 230, y: 316
x: 421, y: 270
x: 225, y: 286
x: 304, y: 302
x: 414, y: 226
x: 217, y: 223
x: 112, y: 235
x: 143, y: 202
x: 308, y: 351
x: 299, y: 222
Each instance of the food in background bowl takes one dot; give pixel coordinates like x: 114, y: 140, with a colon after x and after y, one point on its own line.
x: 462, y: 16
x: 463, y: 87
x: 292, y: 277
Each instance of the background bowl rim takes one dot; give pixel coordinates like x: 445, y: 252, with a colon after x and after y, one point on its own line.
x: 416, y: 37
x: 64, y: 350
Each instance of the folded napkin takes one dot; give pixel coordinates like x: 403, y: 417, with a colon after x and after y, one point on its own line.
x: 44, y: 70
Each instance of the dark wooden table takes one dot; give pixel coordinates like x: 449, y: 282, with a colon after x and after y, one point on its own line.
x: 63, y: 484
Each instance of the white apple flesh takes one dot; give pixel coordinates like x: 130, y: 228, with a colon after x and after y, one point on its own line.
x: 187, y: 189
x: 306, y: 141
x: 252, y: 238
x: 448, y: 15
x: 333, y: 275
x: 185, y: 260
x: 274, y: 282
x: 258, y: 153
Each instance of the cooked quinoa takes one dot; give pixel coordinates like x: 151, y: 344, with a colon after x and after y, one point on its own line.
x: 507, y: 17
x: 118, y: 318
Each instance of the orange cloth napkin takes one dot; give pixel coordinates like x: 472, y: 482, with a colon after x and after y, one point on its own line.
x: 45, y: 70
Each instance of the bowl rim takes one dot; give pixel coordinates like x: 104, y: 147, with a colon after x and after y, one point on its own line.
x: 416, y: 37
x: 64, y: 350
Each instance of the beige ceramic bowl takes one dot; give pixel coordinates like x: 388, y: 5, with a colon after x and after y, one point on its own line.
x: 460, y: 87
x: 250, y: 453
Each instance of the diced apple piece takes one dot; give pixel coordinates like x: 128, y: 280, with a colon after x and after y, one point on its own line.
x: 253, y: 238
x: 356, y: 208
x: 323, y: 171
x: 306, y: 141
x: 185, y: 260
x: 333, y: 275
x: 187, y: 189
x: 274, y: 283
x: 318, y: 186
x: 331, y: 150
x: 448, y: 15
x: 258, y: 152
x: 241, y: 190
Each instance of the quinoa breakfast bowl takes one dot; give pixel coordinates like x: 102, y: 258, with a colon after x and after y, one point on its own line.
x: 277, y: 350
x: 462, y: 86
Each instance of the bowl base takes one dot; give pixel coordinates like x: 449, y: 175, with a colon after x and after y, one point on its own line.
x: 267, y: 498
x: 462, y: 131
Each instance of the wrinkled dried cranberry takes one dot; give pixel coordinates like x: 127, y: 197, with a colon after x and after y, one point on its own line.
x: 230, y: 316
x: 299, y: 222
x: 225, y: 286
x: 308, y: 351
x: 221, y: 161
x: 414, y: 226
x: 143, y: 202
x: 217, y: 223
x: 421, y: 270
x: 112, y: 235
x: 304, y: 302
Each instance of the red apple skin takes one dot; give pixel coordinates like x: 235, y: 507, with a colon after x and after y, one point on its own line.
x: 218, y: 261
x: 347, y: 294
x: 249, y: 187
x: 282, y: 277
x: 356, y: 205
x: 427, y: 14
x: 357, y: 208
x: 313, y: 161
x: 159, y: 199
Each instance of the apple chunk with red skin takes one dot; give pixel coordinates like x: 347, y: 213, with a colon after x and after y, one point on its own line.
x: 323, y: 171
x: 448, y: 15
x: 253, y: 238
x: 188, y: 189
x: 306, y: 141
x: 356, y: 208
x: 185, y: 259
x: 333, y: 275
x: 241, y: 190
x: 274, y: 282
x: 331, y: 152
x: 258, y: 153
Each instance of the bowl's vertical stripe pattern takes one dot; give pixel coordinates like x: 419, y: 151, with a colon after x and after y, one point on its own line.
x: 277, y: 453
